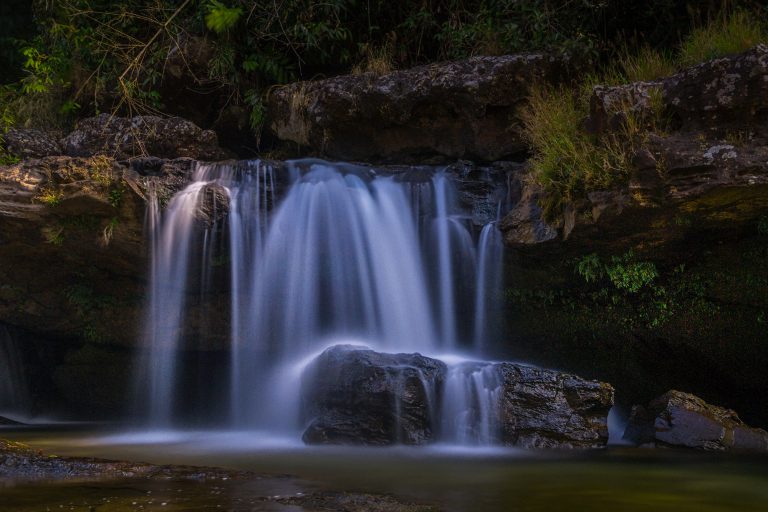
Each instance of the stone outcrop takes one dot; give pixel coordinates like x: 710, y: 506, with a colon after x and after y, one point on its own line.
x: 711, y: 96
x: 543, y: 408
x: 352, y: 395
x: 31, y: 143
x: 682, y: 420
x: 72, y: 253
x: 463, y: 109
x: 123, y: 138
x: 706, y: 171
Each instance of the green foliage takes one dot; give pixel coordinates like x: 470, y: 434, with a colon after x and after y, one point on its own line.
x: 646, y: 65
x: 221, y: 18
x: 54, y: 235
x: 50, y: 196
x: 629, y: 275
x: 257, y: 115
x: 116, y: 196
x: 729, y: 33
x: 92, y: 56
x: 623, y: 272
x: 590, y: 268
x: 568, y: 162
x: 762, y: 225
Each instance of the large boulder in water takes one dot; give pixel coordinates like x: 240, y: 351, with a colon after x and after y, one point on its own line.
x: 462, y: 109
x: 352, y: 395
x: 683, y: 420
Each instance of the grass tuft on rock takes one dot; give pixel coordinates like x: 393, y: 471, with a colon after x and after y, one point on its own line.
x: 726, y: 35
x: 568, y: 162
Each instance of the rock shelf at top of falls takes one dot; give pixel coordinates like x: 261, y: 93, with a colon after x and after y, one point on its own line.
x: 353, y: 395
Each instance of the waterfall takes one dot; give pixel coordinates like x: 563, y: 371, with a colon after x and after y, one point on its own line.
x: 489, y: 280
x: 14, y: 394
x: 471, y: 404
x: 339, y: 252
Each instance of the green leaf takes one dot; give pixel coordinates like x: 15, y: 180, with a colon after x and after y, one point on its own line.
x: 221, y: 18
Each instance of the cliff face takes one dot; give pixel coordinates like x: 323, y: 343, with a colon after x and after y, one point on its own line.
x: 73, y: 255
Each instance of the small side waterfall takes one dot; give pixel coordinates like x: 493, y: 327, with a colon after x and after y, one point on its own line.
x: 489, y: 282
x: 342, y: 253
x: 471, y: 404
x: 14, y: 392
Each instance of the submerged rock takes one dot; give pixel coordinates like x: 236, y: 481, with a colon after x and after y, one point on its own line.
x: 678, y: 419
x: 461, y: 109
x: 353, y: 395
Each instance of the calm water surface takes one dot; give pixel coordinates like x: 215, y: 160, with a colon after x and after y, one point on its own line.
x: 453, y: 479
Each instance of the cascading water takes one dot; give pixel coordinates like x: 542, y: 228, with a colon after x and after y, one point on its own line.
x: 471, y: 409
x: 346, y: 253
x: 14, y: 393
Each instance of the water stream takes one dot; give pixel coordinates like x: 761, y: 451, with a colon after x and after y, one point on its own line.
x: 14, y: 391
x: 339, y: 252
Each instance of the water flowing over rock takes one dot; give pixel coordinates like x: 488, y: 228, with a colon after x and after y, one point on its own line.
x: 14, y: 389
x: 314, y: 251
x: 353, y: 395
x: 682, y: 420
x: 461, y: 109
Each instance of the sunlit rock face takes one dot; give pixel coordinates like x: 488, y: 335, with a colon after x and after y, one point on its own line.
x: 683, y: 420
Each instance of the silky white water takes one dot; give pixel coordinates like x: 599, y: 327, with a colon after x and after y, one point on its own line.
x: 317, y: 253
x: 14, y: 390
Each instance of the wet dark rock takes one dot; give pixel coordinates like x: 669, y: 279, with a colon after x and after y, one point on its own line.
x: 31, y: 143
x: 461, y: 109
x: 123, y: 138
x: 543, y: 408
x: 525, y: 224
x: 215, y: 205
x: 146, y: 166
x: 350, y: 395
x: 683, y: 420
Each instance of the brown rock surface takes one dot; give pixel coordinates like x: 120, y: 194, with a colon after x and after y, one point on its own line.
x: 678, y: 419
x: 462, y: 109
